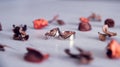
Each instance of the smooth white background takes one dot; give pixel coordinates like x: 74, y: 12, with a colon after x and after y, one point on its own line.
x: 25, y: 11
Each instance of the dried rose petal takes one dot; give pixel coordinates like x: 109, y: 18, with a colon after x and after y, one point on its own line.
x: 54, y: 18
x: 67, y: 51
x: 2, y: 48
x: 60, y: 22
x: 94, y: 17
x: 0, y: 27
x: 35, y: 56
x: 85, y: 57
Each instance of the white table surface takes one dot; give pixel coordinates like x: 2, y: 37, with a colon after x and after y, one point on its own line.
x: 25, y: 11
